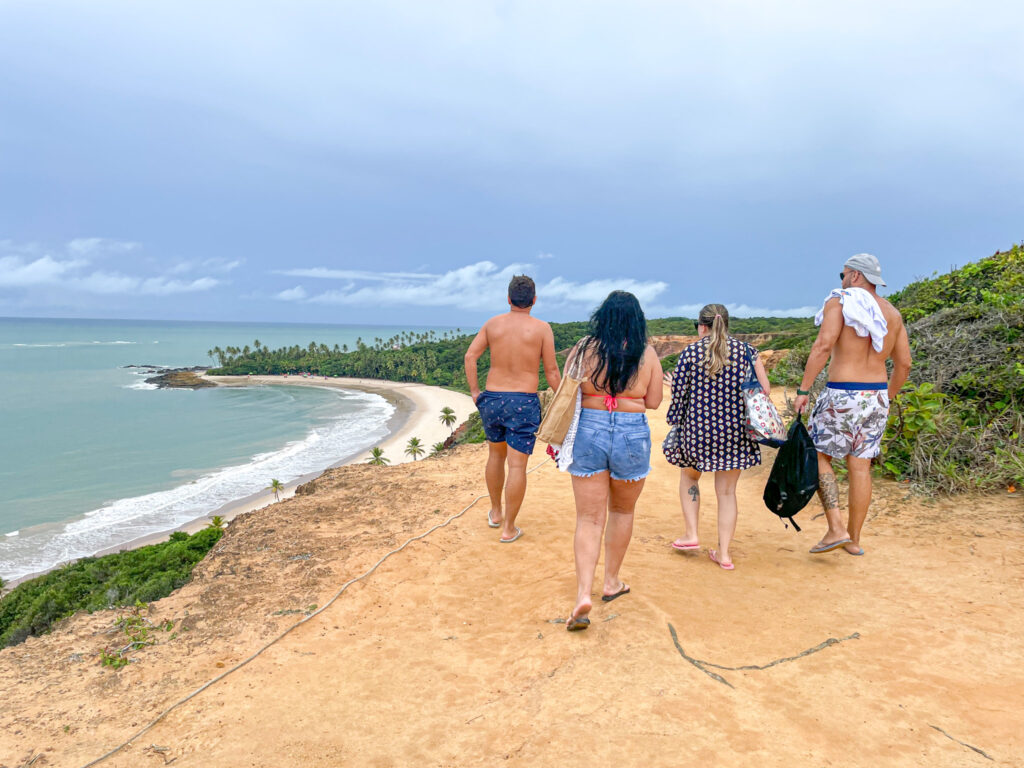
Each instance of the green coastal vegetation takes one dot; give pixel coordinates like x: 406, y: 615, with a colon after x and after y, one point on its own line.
x: 435, y: 359
x: 93, y: 583
x: 429, y: 358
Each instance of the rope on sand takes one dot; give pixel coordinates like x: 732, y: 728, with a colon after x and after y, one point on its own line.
x: 297, y: 624
x: 962, y: 743
x: 702, y: 665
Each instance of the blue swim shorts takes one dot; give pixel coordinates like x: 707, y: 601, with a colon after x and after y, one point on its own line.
x: 510, y: 417
x: 616, y: 442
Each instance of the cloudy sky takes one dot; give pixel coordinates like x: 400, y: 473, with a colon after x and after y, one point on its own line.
x: 397, y: 162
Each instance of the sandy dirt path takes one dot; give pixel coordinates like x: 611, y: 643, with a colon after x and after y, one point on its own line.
x: 453, y: 652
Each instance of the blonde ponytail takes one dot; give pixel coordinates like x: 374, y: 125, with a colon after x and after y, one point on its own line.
x: 716, y: 351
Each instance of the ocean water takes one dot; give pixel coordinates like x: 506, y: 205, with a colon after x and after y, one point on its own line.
x: 92, y: 457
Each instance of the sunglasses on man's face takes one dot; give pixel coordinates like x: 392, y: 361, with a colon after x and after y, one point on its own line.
x: 842, y: 275
x: 696, y: 325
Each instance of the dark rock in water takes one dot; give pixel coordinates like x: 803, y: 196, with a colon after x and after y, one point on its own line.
x: 181, y: 378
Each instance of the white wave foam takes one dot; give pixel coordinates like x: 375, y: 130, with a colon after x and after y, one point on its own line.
x: 127, y: 519
x: 76, y: 344
x: 141, y: 385
x: 12, y: 534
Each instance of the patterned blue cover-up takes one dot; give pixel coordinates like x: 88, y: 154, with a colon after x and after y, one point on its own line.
x: 711, y: 411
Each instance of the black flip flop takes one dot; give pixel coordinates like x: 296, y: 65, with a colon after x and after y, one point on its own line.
x: 620, y: 593
x: 575, y: 625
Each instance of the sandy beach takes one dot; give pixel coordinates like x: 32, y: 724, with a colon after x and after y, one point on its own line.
x: 417, y: 411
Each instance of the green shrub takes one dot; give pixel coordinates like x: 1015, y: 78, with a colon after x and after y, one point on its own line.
x: 996, y: 282
x: 958, y: 425
x: 474, y: 432
x: 95, y: 583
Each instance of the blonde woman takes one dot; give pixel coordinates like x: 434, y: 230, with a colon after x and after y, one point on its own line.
x: 707, y: 404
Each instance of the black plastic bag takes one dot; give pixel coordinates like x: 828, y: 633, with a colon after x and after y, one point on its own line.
x: 794, y: 476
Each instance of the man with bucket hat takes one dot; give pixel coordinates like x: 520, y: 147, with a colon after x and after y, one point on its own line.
x: 860, y: 332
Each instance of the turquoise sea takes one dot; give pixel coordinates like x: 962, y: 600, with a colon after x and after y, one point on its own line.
x: 92, y: 457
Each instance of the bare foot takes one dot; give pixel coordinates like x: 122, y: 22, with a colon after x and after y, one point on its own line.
x: 853, y: 549
x: 491, y: 521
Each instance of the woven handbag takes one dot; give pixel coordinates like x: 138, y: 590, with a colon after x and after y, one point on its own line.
x: 555, y: 424
x: 762, y: 420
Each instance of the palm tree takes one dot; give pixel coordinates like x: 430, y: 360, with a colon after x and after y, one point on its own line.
x: 437, y: 449
x: 377, y: 457
x: 276, y: 486
x: 448, y: 417
x: 414, y: 448
x: 216, y: 522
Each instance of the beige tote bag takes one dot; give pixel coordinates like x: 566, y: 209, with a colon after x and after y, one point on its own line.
x: 562, y: 409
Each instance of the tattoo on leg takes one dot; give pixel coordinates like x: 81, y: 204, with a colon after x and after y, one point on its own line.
x: 828, y: 491
x: 694, y: 492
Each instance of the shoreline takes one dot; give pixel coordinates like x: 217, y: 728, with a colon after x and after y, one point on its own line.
x: 417, y: 411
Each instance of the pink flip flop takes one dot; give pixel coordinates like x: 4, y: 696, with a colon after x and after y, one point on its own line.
x: 714, y: 558
x: 685, y: 547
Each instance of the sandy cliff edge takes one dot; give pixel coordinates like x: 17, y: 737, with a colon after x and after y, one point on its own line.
x: 451, y: 652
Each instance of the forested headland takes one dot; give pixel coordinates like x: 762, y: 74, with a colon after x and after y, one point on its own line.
x: 429, y: 358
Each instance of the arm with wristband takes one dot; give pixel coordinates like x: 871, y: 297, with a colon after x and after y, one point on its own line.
x: 828, y: 335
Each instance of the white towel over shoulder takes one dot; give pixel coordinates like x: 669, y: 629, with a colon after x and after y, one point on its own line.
x: 564, y: 451
x: 861, y: 312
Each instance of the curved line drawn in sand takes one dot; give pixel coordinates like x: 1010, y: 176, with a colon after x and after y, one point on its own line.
x: 297, y: 624
x: 702, y: 665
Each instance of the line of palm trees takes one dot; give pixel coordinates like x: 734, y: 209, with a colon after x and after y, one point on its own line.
x: 415, y: 446
x: 259, y: 352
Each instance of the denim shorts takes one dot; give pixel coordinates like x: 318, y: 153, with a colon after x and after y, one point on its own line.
x: 615, y: 442
x: 510, y: 417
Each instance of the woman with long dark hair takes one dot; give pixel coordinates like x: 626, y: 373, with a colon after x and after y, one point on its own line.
x: 707, y: 405
x: 611, y: 454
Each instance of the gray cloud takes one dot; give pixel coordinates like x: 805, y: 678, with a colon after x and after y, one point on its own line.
x: 326, y: 273
x: 98, y: 245
x: 71, y: 273
x: 479, y: 286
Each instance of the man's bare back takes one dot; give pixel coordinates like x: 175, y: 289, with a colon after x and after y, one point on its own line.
x: 853, y: 356
x: 518, y: 344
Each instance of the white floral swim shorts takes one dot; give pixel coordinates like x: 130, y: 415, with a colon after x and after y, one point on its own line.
x: 849, y: 419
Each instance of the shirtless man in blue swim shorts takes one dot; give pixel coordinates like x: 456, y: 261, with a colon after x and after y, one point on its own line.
x: 860, y: 331
x: 509, y: 407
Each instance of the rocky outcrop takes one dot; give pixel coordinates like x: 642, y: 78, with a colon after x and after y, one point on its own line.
x: 181, y: 378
